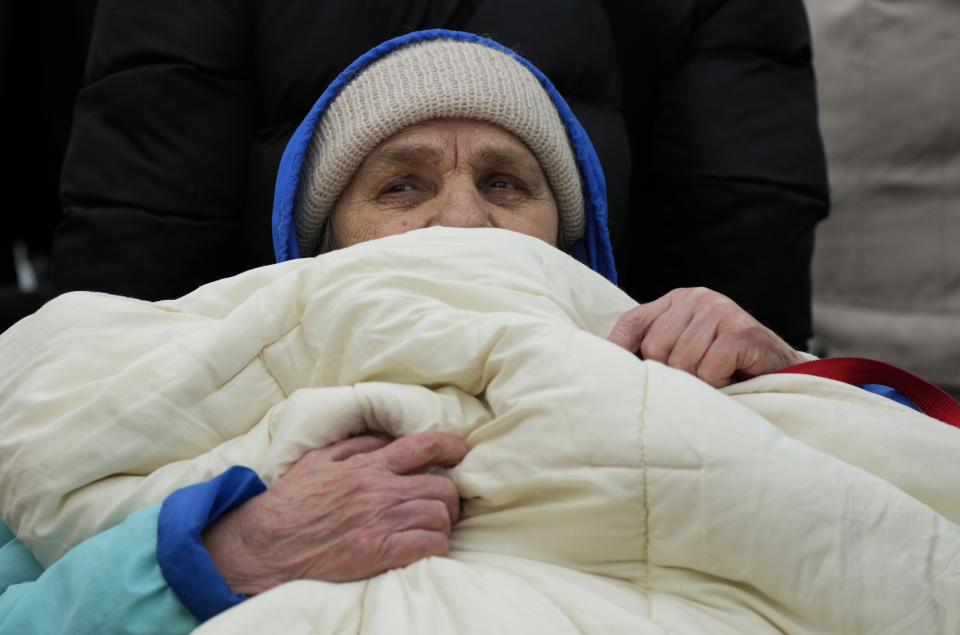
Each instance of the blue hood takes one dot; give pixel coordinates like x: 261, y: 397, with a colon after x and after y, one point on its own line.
x: 593, y: 249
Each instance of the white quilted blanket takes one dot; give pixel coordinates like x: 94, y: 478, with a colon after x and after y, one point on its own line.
x: 603, y: 494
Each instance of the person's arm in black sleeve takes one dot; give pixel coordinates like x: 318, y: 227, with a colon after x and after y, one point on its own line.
x: 154, y: 179
x: 729, y: 176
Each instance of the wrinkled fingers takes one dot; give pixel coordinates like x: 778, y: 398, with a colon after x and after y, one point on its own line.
x: 428, y: 514
x: 420, y: 452
x: 406, y: 547
x: 433, y: 487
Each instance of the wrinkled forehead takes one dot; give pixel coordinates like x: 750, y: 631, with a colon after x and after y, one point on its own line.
x: 453, y: 142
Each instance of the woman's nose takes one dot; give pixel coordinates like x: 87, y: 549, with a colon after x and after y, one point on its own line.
x: 461, y: 205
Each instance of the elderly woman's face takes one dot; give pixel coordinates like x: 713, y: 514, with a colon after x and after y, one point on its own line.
x: 449, y: 172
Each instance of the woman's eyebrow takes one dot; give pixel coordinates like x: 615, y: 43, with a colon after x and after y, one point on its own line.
x: 487, y: 157
x: 412, y: 155
x: 494, y: 157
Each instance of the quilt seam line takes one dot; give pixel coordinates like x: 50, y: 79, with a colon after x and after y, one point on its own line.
x: 641, y: 438
x: 266, y: 368
x: 641, y: 432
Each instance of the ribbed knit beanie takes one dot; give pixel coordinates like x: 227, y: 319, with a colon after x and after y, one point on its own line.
x: 432, y: 79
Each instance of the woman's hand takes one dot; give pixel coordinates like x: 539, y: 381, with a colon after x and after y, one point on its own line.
x: 704, y: 333
x: 345, y: 512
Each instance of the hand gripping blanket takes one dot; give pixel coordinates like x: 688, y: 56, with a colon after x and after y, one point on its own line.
x: 603, y: 494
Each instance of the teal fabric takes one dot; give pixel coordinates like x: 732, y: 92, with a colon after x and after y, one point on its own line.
x: 17, y: 564
x: 110, y: 583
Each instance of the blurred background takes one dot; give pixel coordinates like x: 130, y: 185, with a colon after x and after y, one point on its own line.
x: 886, y: 269
x: 43, y: 46
x: 711, y: 93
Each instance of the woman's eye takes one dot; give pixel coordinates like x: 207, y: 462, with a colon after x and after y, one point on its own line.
x: 398, y: 187
x: 501, y: 184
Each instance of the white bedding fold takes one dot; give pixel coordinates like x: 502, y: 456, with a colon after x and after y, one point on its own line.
x: 602, y: 493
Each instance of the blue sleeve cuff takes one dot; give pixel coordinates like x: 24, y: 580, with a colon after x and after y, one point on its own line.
x: 185, y: 562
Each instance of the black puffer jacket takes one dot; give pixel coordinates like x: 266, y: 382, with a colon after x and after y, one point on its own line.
x: 187, y: 106
x: 729, y: 176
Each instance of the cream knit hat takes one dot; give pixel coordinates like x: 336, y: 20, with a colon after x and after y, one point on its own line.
x: 431, y: 79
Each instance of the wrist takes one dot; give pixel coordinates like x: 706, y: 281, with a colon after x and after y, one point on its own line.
x: 184, y: 561
x: 238, y: 545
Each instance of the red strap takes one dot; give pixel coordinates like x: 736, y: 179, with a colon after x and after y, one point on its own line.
x: 859, y: 370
